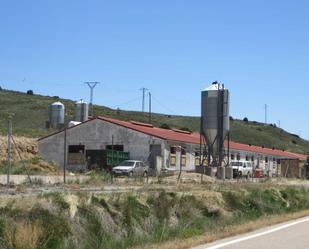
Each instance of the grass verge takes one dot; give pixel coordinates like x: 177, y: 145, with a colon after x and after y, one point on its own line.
x: 228, y: 231
x: 146, y: 219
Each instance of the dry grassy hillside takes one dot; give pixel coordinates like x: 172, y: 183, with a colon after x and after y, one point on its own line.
x: 31, y: 114
x: 27, y: 147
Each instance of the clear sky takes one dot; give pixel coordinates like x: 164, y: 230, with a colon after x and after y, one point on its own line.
x: 258, y: 49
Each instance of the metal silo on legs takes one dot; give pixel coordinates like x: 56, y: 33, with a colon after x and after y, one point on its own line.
x: 215, y: 122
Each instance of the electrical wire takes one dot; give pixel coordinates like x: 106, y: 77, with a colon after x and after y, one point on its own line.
x: 125, y: 103
x: 162, y: 105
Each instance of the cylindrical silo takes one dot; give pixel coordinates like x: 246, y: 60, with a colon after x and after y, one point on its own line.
x: 56, y: 115
x: 81, y: 111
x: 215, y: 123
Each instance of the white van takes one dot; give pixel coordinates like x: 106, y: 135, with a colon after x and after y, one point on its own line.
x: 241, y: 168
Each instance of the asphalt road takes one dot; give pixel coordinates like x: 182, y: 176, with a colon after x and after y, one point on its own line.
x: 290, y: 235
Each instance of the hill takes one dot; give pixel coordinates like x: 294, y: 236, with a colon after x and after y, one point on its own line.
x: 31, y: 114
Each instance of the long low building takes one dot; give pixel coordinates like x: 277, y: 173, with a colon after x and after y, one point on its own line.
x: 84, y: 146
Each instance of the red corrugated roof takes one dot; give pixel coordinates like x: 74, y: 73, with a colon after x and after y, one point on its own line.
x: 193, y: 138
x: 268, y: 151
x: 165, y: 134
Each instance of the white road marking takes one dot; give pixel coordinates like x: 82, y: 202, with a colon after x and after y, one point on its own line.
x: 257, y: 235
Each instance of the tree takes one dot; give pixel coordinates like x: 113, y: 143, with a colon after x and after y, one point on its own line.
x: 30, y: 92
x: 246, y: 120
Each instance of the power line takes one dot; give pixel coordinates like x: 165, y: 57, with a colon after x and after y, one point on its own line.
x: 92, y: 85
x: 150, y: 114
x: 143, y: 89
x: 9, y: 164
x: 265, y: 107
x: 127, y: 102
x: 162, y: 105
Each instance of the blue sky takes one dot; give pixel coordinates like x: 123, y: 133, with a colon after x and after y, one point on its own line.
x: 258, y: 49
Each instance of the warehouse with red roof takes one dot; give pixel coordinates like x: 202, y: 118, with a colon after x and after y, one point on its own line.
x: 84, y: 146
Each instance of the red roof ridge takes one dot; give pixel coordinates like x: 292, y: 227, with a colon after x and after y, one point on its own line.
x: 182, y: 131
x: 141, y: 123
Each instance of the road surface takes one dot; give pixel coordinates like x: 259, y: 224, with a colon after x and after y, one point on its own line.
x: 290, y: 235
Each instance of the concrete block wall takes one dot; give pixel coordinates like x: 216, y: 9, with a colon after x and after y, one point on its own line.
x: 96, y: 134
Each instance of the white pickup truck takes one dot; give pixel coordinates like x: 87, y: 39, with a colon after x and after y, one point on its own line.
x: 241, y: 168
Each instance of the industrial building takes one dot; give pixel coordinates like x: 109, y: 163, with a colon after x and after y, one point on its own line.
x: 103, y: 142
x: 84, y: 146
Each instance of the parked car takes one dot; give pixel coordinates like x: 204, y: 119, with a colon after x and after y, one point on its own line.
x: 131, y: 168
x: 241, y: 168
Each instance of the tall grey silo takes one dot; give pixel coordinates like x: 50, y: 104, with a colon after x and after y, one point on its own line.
x: 81, y: 111
x: 56, y: 115
x: 215, y: 122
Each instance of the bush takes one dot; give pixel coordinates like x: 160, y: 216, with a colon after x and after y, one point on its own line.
x: 30, y: 92
x: 165, y: 126
x: 246, y: 120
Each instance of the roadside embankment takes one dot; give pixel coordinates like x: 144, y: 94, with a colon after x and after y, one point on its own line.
x: 146, y: 218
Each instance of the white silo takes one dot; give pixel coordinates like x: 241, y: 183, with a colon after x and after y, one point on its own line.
x: 215, y: 122
x: 56, y: 115
x: 81, y: 111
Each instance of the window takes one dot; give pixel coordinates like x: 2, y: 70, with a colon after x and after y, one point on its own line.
x: 173, y: 156
x: 127, y: 163
x: 173, y: 150
x: 183, y: 151
x: 76, y: 155
x: 183, y: 156
x: 76, y: 148
x: 197, y: 158
x: 183, y: 161
x: 173, y: 160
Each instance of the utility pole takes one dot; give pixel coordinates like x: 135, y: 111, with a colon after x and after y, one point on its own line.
x: 143, y: 89
x: 149, y: 107
x: 65, y: 156
x: 92, y: 85
x: 266, y: 106
x: 9, y: 164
